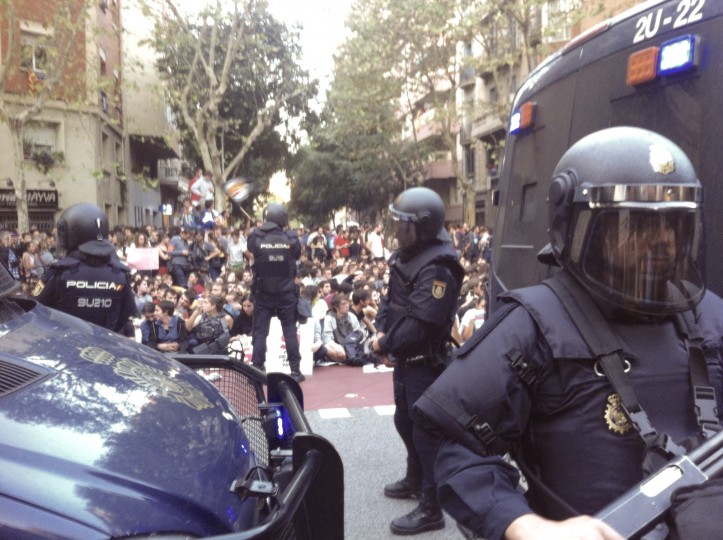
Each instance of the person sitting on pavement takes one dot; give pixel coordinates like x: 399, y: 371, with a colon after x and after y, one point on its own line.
x: 361, y: 299
x: 207, y: 324
x: 141, y: 294
x: 243, y: 323
x: 186, y: 303
x: 473, y: 318
x: 195, y: 284
x: 167, y: 332
x: 148, y: 317
x: 338, y: 324
x: 318, y: 313
x: 233, y: 302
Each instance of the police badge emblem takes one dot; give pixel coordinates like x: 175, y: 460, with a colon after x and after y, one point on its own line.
x: 615, y: 416
x: 438, y: 288
x: 661, y: 160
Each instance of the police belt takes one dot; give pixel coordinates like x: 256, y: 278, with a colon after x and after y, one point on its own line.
x: 422, y: 359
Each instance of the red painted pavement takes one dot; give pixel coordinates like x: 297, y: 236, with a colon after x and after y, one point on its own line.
x: 342, y: 386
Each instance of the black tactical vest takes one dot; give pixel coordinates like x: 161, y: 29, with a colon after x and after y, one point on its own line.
x: 92, y: 293
x: 274, y: 262
x: 404, y: 279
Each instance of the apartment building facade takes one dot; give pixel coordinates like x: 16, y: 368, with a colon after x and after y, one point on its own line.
x: 486, y: 89
x: 85, y: 129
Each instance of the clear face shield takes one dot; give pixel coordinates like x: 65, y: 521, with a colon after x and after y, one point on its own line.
x: 400, y: 229
x: 644, y: 260
x: 61, y: 249
x: 61, y: 243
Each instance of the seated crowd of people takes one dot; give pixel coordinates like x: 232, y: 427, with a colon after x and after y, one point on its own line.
x: 342, y: 273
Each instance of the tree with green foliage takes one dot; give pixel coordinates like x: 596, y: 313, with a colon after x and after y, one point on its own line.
x: 234, y: 82
x: 398, y: 75
x: 511, y: 38
x: 318, y: 174
x: 398, y: 62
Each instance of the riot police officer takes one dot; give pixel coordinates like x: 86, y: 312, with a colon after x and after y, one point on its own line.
x: 275, y: 252
x: 414, y: 324
x: 625, y: 226
x: 88, y: 281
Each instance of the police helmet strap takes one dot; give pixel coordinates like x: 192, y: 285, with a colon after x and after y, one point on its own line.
x: 560, y: 199
x: 99, y: 235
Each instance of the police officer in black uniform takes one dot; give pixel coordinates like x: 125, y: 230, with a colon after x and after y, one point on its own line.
x: 88, y: 281
x: 414, y: 324
x: 275, y: 251
x: 625, y: 226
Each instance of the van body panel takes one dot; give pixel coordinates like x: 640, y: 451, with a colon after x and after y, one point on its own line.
x: 583, y: 89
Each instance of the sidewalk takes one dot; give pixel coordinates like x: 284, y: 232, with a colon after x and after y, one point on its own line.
x: 338, y: 386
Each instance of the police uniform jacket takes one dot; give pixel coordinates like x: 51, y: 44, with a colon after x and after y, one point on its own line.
x: 275, y: 254
x: 417, y: 312
x: 95, y: 289
x: 527, y: 378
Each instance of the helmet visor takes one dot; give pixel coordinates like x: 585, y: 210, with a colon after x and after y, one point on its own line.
x: 643, y: 260
x: 62, y: 248
x: 400, y: 229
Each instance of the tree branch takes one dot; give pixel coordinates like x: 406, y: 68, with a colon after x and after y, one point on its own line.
x: 263, y: 120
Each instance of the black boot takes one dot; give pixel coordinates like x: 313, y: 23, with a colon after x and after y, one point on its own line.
x: 406, y: 488
x: 425, y: 517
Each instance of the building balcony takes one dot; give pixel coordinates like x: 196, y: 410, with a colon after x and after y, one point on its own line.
x: 169, y: 171
x: 486, y: 123
x: 467, y: 77
x: 440, y: 169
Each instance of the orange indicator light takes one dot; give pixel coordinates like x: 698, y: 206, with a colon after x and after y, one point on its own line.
x: 642, y: 66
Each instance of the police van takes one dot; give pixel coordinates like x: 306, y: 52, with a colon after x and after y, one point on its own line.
x: 103, y: 437
x: 658, y: 66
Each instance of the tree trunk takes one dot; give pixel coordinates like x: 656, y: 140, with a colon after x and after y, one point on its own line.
x: 469, y: 215
x: 21, y: 199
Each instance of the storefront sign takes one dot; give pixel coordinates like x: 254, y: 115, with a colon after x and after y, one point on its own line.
x: 37, y: 199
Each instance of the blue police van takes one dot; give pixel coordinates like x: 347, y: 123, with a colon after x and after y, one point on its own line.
x: 102, y: 437
x: 658, y: 66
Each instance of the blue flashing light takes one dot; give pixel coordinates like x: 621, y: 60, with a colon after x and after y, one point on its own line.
x: 516, y: 122
x: 279, y: 425
x: 523, y: 118
x: 231, y: 515
x: 678, y: 55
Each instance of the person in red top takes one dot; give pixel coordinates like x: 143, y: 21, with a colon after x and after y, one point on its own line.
x: 198, y: 196
x: 341, y: 242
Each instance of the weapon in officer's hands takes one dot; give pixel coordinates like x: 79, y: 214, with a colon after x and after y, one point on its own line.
x: 645, y: 504
x: 238, y: 190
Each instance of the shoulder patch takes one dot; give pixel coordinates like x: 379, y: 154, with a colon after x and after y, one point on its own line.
x: 438, y: 289
x: 38, y: 288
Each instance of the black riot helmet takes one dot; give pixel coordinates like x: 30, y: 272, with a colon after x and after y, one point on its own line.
x: 416, y: 218
x: 276, y: 213
x: 625, y: 209
x: 84, y: 227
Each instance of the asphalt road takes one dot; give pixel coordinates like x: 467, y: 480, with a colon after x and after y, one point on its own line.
x: 372, y: 453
